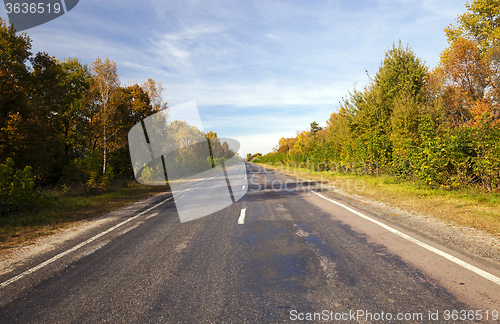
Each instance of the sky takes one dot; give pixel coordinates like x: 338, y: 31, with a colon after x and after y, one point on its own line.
x: 258, y: 70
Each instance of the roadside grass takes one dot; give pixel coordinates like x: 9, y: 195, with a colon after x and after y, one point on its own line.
x: 470, y: 207
x: 65, y: 208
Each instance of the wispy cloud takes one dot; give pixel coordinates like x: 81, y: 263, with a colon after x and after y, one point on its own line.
x: 178, y: 49
x: 285, y: 62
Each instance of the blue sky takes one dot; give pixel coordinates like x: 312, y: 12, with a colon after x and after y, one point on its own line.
x: 258, y: 70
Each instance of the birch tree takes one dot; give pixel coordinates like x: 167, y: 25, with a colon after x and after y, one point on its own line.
x: 105, y: 75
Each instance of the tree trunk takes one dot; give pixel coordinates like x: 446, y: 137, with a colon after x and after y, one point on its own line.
x: 104, y: 164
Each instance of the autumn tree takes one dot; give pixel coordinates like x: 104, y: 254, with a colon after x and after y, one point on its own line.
x: 130, y: 105
x: 493, y: 89
x: 474, y: 55
x: 466, y: 79
x: 62, y: 122
x: 154, y: 90
x: 480, y: 24
x: 285, y: 144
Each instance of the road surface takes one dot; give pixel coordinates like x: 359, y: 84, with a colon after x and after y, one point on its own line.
x: 279, y: 254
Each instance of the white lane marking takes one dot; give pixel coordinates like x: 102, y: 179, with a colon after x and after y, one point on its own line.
x: 95, y: 249
x: 243, y: 187
x: 151, y: 216
x: 76, y: 247
x: 241, y: 220
x: 130, y: 228
x: 445, y: 255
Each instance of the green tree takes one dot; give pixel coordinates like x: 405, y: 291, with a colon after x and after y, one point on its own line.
x: 75, y: 115
x: 16, y: 188
x: 315, y: 128
x: 401, y: 73
x: 14, y: 82
x: 45, y: 152
x: 378, y: 114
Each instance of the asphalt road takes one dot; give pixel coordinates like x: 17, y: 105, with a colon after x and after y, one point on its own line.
x: 295, y: 254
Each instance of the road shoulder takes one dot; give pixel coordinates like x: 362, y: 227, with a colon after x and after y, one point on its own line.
x: 20, y: 257
x: 474, y: 243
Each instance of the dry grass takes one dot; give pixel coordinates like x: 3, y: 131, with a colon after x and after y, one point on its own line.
x: 469, y: 207
x: 20, y: 229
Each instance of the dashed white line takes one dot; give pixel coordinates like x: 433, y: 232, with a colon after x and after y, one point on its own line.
x: 151, y: 216
x: 96, y: 248
x: 130, y: 228
x: 445, y: 255
x: 241, y: 220
x: 60, y: 255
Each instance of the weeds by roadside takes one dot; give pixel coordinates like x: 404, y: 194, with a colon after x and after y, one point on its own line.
x: 67, y: 205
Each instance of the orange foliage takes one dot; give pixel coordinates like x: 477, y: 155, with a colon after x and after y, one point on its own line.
x: 286, y: 144
x: 482, y: 111
x: 465, y: 74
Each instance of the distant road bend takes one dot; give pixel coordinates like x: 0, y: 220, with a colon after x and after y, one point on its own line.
x: 279, y: 254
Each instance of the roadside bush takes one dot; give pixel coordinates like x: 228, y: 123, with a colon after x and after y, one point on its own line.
x: 486, y: 137
x: 17, y: 189
x: 88, y: 170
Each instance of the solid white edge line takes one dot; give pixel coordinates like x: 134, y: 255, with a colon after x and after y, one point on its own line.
x: 445, y: 255
x: 241, y: 220
x: 60, y: 255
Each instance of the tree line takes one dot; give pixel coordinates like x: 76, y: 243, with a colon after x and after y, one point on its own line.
x: 62, y: 121
x: 439, y: 125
